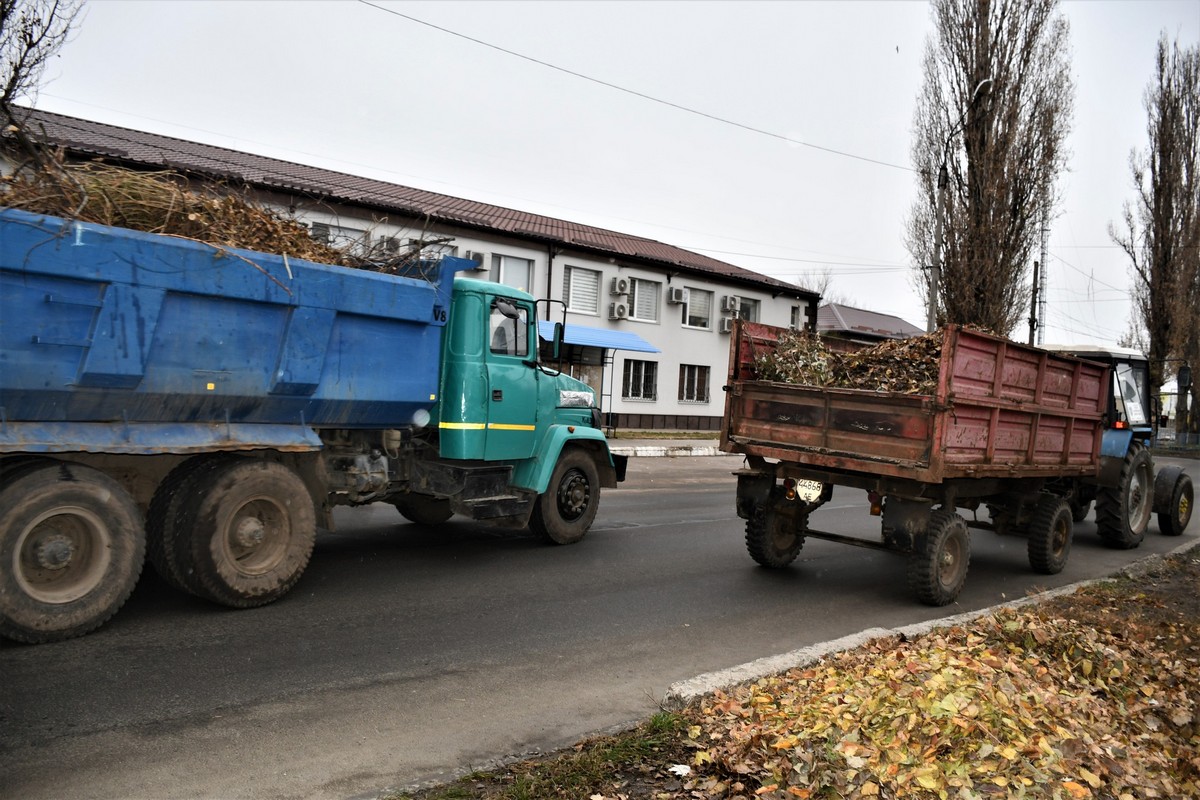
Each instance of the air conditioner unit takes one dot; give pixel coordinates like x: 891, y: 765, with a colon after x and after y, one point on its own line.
x: 618, y: 310
x: 726, y: 325
x: 620, y: 286
x: 388, y: 244
x: 731, y: 302
x: 677, y: 295
x: 480, y: 259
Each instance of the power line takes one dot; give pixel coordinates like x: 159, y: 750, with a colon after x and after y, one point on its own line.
x: 634, y: 92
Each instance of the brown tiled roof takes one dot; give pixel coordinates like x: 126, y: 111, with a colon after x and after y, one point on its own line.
x: 138, y: 148
x: 850, y: 321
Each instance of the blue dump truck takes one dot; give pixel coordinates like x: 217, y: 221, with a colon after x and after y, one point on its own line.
x: 206, y: 409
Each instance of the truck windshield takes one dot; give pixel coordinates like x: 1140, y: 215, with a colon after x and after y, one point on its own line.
x: 1127, y: 390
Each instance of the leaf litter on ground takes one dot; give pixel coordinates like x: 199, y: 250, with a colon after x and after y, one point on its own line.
x: 1088, y: 695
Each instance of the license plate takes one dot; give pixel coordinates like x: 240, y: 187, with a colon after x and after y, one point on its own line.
x: 809, y: 491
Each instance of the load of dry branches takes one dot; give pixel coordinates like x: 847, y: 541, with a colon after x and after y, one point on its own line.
x: 906, y: 366
x: 166, y: 202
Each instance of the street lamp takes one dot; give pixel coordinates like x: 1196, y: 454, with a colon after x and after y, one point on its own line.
x: 943, y: 180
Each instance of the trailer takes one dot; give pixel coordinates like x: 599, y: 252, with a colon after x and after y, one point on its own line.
x: 1019, y: 437
x: 206, y: 409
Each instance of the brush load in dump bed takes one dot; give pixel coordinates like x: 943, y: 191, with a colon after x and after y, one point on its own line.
x: 1010, y: 429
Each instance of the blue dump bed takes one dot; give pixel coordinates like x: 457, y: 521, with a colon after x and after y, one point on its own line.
x: 118, y: 341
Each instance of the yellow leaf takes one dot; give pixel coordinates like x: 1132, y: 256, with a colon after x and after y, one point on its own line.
x: 703, y: 757
x: 1076, y: 790
x: 1092, y: 778
x: 1000, y: 781
x: 1008, y: 751
x: 870, y: 789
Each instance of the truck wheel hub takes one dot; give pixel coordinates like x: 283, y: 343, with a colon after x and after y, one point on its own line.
x: 54, y: 552
x: 250, y: 532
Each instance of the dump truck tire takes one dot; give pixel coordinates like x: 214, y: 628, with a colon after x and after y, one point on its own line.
x: 245, y: 532
x: 563, y: 514
x: 72, y: 544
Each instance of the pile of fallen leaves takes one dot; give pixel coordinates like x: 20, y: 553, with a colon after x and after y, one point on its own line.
x: 166, y: 202
x: 1023, y: 704
x: 1089, y: 695
x: 906, y: 366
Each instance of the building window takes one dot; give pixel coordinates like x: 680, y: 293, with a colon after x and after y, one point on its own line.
x: 643, y: 299
x: 693, y: 383
x: 697, y: 310
x: 338, y: 235
x: 581, y: 289
x: 640, y: 381
x: 748, y: 310
x: 797, y: 322
x: 512, y: 271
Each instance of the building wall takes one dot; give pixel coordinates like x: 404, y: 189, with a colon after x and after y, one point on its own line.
x: 638, y: 390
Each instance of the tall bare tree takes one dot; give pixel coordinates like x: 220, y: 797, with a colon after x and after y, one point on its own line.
x: 31, y: 34
x: 994, y: 112
x: 1161, y: 227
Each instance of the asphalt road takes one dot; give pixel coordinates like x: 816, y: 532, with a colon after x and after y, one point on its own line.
x: 408, y: 654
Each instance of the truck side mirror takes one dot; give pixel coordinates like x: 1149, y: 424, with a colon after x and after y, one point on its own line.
x: 557, y: 341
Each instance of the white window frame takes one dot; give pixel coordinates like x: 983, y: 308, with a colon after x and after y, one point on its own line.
x: 638, y: 286
x: 687, y: 309
x: 749, y: 309
x: 571, y: 282
x: 639, y: 379
x: 503, y: 266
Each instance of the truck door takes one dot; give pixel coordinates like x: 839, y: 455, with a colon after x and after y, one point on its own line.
x: 512, y: 382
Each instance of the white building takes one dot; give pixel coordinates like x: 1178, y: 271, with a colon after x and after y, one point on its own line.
x: 648, y: 322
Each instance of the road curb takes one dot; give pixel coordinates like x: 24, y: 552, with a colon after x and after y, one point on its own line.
x: 666, y: 451
x: 681, y: 693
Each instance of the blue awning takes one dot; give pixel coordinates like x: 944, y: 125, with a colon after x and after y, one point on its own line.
x: 598, y: 337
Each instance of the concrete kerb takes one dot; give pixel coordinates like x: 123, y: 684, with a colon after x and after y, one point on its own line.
x: 680, y: 694
x: 666, y: 448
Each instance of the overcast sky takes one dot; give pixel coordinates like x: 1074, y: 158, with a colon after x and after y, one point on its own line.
x: 424, y: 94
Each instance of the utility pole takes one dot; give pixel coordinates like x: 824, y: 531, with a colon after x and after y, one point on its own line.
x: 1033, y: 304
x: 935, y: 269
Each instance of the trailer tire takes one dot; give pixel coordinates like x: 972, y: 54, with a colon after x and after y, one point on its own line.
x: 423, y: 509
x: 249, y: 527
x: 1050, y: 535
x: 563, y: 514
x: 1175, y: 517
x: 937, y: 568
x: 1080, y: 509
x: 771, y: 539
x: 163, y: 550
x: 1123, y: 511
x: 72, y: 544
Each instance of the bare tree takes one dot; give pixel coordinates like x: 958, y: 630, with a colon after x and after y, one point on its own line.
x: 994, y: 112
x: 1161, y: 228
x: 31, y: 34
